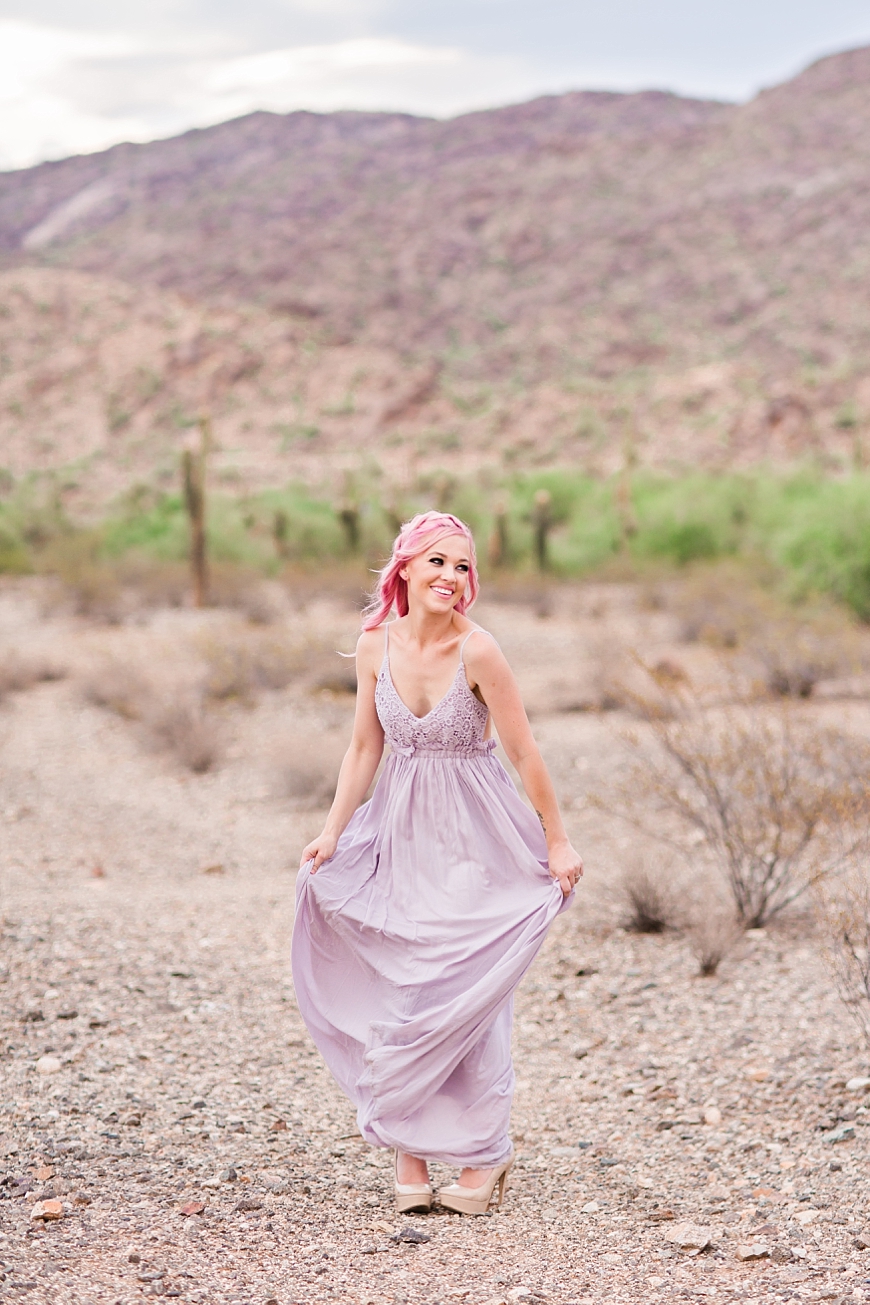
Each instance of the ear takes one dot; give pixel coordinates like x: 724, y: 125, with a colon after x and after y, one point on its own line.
x: 403, y: 575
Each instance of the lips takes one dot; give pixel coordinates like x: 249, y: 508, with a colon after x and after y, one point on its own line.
x: 442, y: 593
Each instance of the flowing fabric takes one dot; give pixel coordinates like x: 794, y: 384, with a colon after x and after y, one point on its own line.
x: 409, y: 943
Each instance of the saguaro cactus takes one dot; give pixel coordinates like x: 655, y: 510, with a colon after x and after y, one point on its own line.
x: 193, y: 467
x: 498, y: 541
x: 542, y: 523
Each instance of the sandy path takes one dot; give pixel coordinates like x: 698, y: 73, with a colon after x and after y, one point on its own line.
x: 161, y: 997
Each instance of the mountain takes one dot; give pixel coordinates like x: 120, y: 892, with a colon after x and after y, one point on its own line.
x: 548, y: 282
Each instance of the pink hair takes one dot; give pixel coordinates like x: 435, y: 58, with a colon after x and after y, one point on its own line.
x: 415, y: 537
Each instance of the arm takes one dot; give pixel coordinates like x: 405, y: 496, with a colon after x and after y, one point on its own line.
x: 487, y: 668
x: 361, y: 759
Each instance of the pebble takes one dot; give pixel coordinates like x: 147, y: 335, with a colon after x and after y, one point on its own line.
x: 192, y: 1207
x: 591, y: 1207
x: 858, y: 1085
x: 844, y: 1134
x: 690, y: 1237
x: 411, y: 1235
x: 47, y: 1210
x: 713, y: 1116
x: 48, y: 1065
x: 753, y: 1251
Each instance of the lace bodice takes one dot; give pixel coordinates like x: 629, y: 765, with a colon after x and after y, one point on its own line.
x: 456, y: 724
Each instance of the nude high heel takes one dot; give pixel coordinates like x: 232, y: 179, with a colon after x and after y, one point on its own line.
x: 476, y: 1200
x: 411, y: 1196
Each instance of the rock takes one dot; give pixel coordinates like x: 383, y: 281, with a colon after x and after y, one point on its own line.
x: 591, y: 1207
x: 689, y: 1237
x: 858, y: 1085
x: 48, y: 1065
x: 798, y: 1253
x: 248, y: 1205
x: 192, y: 1207
x: 713, y: 1116
x: 844, y: 1134
x: 757, y: 1073
x: 134, y: 1257
x: 43, y: 1173
x: 753, y: 1251
x: 805, y: 1217
x: 411, y: 1235
x: 229, y: 1175
x: 47, y: 1210
x: 519, y: 1293
x: 67, y: 1015
x: 279, y: 1126
x: 661, y: 1216
x: 862, y: 1242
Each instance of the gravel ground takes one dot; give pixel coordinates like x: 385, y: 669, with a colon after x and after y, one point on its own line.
x: 158, y: 1082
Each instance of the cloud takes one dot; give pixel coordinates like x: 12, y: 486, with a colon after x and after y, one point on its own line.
x: 74, y: 92
x: 75, y: 78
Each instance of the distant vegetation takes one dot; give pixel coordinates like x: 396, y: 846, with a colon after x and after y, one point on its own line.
x: 811, y: 532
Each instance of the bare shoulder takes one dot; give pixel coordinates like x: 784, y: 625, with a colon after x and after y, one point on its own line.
x: 369, y: 650
x: 482, y: 654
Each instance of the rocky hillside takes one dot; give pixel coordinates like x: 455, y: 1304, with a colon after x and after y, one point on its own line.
x: 547, y: 282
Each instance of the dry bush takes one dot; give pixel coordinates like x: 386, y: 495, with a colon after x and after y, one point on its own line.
x: 244, y: 590
x: 19, y: 671
x: 182, y: 725
x: 86, y: 585
x: 845, y: 906
x: 787, y: 650
x: 775, y: 802
x: 239, y: 663
x: 174, y: 718
x: 307, y: 769
x: 712, y: 934
x: 150, y: 584
x: 649, y: 897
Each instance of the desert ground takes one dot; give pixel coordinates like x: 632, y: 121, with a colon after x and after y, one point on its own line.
x: 677, y: 1137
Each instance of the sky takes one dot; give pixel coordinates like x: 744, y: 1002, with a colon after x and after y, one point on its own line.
x: 80, y: 75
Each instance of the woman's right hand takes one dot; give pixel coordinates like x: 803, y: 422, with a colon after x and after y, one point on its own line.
x: 320, y: 849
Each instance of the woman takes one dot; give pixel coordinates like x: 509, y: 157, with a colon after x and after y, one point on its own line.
x: 419, y: 912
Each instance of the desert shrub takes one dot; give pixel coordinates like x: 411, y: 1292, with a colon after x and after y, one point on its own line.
x: 648, y: 895
x: 244, y: 589
x: 20, y: 671
x: 239, y: 662
x: 173, y: 717
x: 182, y: 725
x: 777, y: 803
x: 90, y: 585
x: 307, y: 769
x: 712, y: 933
x: 845, y: 906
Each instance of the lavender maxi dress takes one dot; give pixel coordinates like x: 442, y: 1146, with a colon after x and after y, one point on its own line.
x: 408, y: 944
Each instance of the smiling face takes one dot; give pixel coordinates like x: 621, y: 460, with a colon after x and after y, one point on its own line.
x: 438, y: 578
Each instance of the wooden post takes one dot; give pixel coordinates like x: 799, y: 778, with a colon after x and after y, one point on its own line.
x: 193, y: 465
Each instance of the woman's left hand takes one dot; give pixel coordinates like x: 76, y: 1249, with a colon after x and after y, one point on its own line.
x: 566, y: 866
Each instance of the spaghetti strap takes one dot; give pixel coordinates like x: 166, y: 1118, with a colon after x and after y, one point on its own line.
x: 465, y: 641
